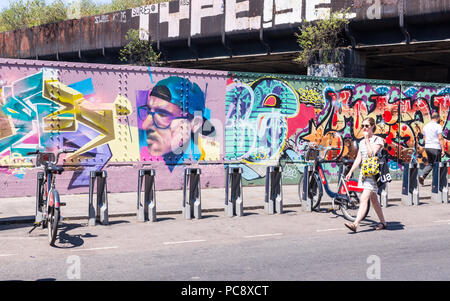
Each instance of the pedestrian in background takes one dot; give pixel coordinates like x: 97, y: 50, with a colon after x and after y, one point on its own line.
x: 434, y: 145
x: 368, y: 147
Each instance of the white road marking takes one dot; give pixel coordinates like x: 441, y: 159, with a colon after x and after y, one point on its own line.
x: 263, y: 235
x: 19, y: 237
x: 95, y: 249
x: 7, y: 255
x: 182, y: 242
x: 442, y: 221
x: 327, y: 230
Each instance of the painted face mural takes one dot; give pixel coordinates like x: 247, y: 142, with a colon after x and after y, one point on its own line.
x: 172, y: 121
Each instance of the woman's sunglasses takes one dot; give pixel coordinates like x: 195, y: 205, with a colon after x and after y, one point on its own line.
x: 366, y: 126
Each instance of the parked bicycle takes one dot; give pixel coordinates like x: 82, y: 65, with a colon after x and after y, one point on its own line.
x: 48, y: 201
x: 347, y: 196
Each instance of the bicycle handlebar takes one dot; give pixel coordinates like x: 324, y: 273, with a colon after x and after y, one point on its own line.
x: 313, y: 145
x: 58, y: 153
x: 62, y: 151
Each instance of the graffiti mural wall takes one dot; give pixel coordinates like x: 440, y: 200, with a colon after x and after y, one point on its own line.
x: 122, y: 119
x: 271, y: 119
x: 115, y: 118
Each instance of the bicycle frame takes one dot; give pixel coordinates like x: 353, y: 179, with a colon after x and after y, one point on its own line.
x: 51, y: 200
x: 47, y: 197
x: 46, y: 190
x: 344, y: 187
x: 47, y: 200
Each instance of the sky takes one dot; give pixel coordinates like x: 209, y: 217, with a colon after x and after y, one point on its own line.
x: 5, y: 3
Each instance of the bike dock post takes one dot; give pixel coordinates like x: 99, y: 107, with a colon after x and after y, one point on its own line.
x: 410, y: 186
x: 100, y: 212
x: 383, y: 192
x: 192, y: 199
x: 234, y: 204
x: 274, y: 190
x: 306, y: 200
x: 146, y: 209
x: 439, y: 186
x: 39, y: 216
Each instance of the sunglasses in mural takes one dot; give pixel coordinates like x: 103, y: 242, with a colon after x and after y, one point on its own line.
x: 162, y: 119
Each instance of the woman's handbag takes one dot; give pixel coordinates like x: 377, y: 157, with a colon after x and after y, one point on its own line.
x: 370, y: 167
x: 385, y: 175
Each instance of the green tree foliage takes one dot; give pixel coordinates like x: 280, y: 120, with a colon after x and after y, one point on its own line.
x: 319, y: 41
x: 22, y: 14
x: 28, y: 13
x: 138, y: 52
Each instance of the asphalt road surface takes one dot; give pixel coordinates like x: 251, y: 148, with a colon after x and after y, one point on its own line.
x: 295, y: 245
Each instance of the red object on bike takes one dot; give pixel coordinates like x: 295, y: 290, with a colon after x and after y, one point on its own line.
x: 50, y: 200
x: 352, y: 185
x: 322, y: 177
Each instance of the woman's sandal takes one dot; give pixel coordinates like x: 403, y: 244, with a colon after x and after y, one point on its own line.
x: 351, y: 226
x: 381, y: 226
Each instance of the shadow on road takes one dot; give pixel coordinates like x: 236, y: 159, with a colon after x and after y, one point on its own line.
x: 249, y: 213
x: 395, y: 226
x: 13, y: 226
x: 209, y: 216
x: 391, y: 226
x: 118, y: 222
x: 66, y: 241
x: 160, y: 219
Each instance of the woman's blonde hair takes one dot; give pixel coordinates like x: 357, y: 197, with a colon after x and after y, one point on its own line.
x: 371, y: 121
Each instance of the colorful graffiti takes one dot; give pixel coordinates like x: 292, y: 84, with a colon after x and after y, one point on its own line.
x: 39, y: 112
x: 329, y: 114
x: 399, y: 114
x: 247, y: 120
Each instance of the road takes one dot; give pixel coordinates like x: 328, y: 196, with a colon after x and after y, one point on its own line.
x: 295, y: 245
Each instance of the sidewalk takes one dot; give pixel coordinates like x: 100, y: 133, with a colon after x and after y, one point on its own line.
x: 22, y: 209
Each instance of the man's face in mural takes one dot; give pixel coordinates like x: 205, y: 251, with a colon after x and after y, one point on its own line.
x: 167, y: 128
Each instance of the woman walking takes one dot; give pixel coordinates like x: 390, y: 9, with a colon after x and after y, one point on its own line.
x: 368, y: 147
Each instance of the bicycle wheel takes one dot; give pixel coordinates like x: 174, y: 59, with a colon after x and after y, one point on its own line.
x: 315, y: 191
x: 350, y: 208
x: 53, y: 220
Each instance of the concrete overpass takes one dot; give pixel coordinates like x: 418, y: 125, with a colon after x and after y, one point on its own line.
x: 386, y: 39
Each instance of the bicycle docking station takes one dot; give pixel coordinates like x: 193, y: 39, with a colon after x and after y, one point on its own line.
x: 100, y: 212
x: 274, y: 192
x: 234, y: 203
x: 439, y: 186
x: 146, y: 207
x: 39, y: 216
x: 410, y: 185
x: 306, y: 200
x: 192, y: 198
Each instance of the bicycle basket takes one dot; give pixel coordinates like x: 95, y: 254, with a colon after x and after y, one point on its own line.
x: 311, y: 154
x: 43, y: 158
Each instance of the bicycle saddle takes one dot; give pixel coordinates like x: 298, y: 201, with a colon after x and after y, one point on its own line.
x: 54, y: 168
x: 347, y: 161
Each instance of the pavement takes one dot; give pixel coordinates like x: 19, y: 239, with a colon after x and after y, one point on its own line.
x: 22, y: 209
x: 293, y: 246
